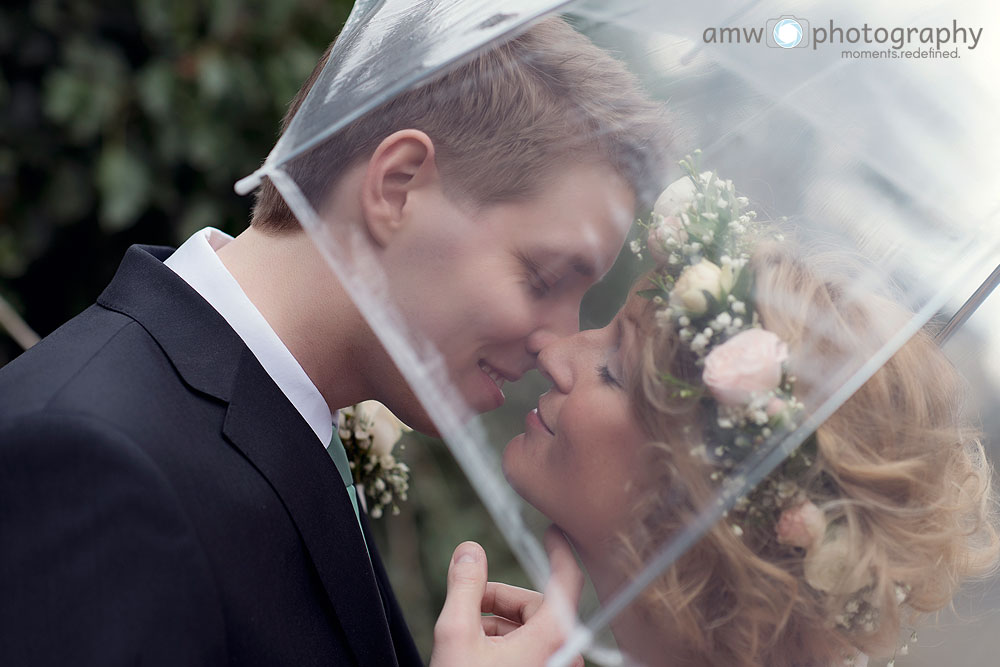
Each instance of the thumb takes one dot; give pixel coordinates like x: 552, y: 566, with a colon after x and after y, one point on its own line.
x: 460, y: 619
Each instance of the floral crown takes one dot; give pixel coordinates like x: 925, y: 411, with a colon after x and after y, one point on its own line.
x: 701, y: 234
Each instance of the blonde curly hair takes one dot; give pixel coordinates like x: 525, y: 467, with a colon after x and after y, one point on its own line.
x: 897, y: 465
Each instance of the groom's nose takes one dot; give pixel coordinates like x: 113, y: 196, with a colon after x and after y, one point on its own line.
x: 539, y: 340
x: 560, y: 321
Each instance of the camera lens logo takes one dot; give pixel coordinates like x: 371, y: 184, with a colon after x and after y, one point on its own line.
x: 787, y: 32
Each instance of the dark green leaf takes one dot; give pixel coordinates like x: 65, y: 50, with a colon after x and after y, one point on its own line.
x: 743, y: 285
x: 713, y: 303
x: 652, y: 293
x: 124, y: 184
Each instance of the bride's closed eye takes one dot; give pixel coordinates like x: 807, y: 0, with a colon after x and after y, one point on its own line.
x: 606, y: 377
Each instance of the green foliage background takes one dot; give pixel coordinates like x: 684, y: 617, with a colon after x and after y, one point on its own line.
x: 129, y: 122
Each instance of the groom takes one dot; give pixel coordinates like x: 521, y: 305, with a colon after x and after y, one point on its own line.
x: 167, y: 495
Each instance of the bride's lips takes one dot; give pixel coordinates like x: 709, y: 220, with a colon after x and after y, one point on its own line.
x: 533, y: 420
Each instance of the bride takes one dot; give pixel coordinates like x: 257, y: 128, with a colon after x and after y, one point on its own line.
x: 877, y: 518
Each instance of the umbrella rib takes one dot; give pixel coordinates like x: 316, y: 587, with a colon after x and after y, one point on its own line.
x: 968, y: 308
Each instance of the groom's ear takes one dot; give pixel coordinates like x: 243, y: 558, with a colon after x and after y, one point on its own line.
x: 402, y: 164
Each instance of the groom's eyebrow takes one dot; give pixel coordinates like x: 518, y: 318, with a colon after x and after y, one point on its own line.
x: 579, y: 263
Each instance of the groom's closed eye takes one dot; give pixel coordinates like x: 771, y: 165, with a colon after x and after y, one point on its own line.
x: 551, y: 266
x: 539, y: 281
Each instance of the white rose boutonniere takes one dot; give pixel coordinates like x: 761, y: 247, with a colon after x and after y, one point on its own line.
x: 370, y: 432
x: 384, y: 428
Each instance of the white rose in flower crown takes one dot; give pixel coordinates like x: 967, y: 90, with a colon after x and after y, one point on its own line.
x: 385, y: 429
x: 748, y: 363
x: 675, y: 198
x: 696, y: 279
x: 829, y: 566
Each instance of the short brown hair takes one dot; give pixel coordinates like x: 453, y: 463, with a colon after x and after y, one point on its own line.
x: 500, y: 123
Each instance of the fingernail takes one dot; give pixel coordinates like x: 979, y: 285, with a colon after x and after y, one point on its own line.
x: 466, y: 555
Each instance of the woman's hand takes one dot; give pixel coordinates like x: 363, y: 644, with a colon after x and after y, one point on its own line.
x: 524, y: 627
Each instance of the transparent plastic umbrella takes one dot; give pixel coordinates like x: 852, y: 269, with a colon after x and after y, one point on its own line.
x: 843, y: 147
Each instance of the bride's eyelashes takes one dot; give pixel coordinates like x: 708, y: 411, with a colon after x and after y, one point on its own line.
x: 606, y: 377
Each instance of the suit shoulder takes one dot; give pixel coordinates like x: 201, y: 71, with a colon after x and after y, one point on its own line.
x: 58, y: 449
x: 78, y: 363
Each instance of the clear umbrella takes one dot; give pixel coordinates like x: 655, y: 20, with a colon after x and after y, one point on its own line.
x: 849, y: 143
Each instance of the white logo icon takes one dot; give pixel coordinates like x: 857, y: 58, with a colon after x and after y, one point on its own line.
x: 787, y: 33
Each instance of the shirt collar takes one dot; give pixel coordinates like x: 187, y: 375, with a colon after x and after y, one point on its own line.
x: 197, y: 263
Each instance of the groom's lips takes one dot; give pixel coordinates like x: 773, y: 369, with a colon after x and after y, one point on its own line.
x: 494, y: 379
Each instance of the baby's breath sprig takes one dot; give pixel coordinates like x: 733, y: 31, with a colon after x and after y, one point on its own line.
x: 682, y: 389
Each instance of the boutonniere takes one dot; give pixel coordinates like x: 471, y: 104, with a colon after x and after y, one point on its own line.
x: 370, y: 432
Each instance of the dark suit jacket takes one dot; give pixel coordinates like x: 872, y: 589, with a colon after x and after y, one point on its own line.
x: 162, y: 503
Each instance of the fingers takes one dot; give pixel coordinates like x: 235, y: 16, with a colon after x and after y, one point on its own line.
x: 463, y: 637
x: 459, y: 622
x: 498, y: 626
x: 517, y: 604
x: 562, y: 594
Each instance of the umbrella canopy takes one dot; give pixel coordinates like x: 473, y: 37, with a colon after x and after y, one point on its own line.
x: 832, y: 192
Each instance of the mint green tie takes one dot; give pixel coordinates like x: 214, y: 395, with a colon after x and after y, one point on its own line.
x: 339, y: 456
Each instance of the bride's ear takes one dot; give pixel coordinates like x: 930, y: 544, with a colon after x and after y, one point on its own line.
x: 402, y: 164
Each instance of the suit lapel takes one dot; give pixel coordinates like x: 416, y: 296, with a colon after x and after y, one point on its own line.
x: 266, y: 428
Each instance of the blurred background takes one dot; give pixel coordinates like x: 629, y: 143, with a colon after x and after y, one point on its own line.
x: 129, y: 122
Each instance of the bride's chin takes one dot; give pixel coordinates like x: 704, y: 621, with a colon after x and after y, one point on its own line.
x: 509, y: 457
x: 512, y: 464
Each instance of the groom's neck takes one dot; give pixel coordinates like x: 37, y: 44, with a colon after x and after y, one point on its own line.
x: 286, y: 278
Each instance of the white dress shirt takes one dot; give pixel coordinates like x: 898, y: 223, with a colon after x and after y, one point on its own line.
x: 198, y: 265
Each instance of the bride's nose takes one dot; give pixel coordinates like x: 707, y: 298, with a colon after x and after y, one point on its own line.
x: 555, y: 362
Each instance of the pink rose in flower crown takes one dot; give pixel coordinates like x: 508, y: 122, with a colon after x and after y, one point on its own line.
x: 801, y: 526
x: 774, y: 406
x: 748, y: 363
